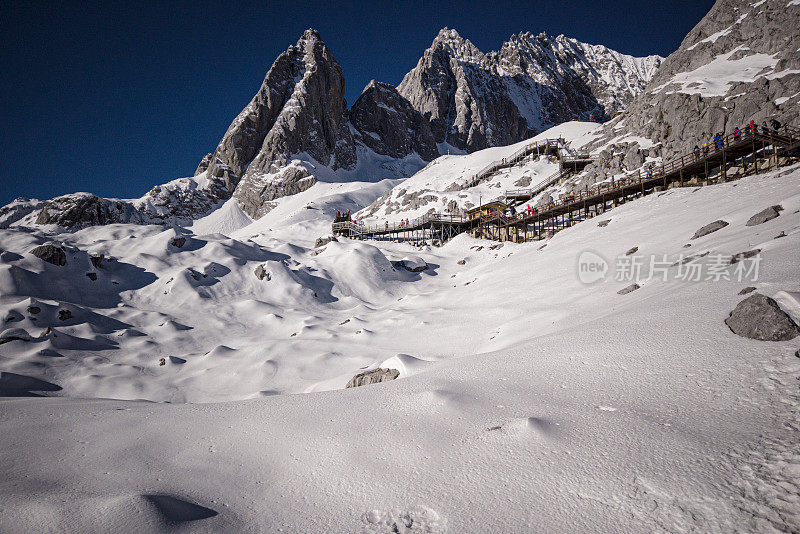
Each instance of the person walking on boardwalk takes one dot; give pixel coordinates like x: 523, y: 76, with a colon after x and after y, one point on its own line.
x: 776, y: 125
x: 696, y: 152
x: 737, y: 133
x: 764, y: 127
x: 705, y: 148
x: 751, y: 127
x: 718, y: 142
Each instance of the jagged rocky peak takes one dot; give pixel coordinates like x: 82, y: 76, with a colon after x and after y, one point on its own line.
x: 614, y: 79
x: 466, y: 105
x: 475, y: 100
x: 300, y: 108
x: 388, y: 124
x: 458, y: 47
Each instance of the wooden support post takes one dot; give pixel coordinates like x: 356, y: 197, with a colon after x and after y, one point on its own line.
x: 755, y: 154
x: 724, y: 163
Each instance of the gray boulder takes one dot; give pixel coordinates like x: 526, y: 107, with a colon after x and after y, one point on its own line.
x: 710, y: 228
x: 628, y: 289
x: 413, y: 264
x: 373, y: 376
x: 51, y: 254
x: 760, y: 317
x: 764, y: 215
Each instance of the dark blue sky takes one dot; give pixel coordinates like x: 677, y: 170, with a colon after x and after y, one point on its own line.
x: 113, y: 99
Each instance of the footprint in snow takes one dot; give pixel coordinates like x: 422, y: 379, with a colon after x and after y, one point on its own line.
x: 416, y: 520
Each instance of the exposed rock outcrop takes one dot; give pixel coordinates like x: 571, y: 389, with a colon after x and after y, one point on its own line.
x: 739, y: 63
x: 373, y: 376
x: 387, y: 123
x: 51, y: 254
x: 322, y: 241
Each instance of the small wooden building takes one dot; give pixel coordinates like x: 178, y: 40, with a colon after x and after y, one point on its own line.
x: 490, y: 208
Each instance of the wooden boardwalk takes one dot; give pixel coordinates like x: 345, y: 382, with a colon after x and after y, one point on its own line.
x: 733, y: 156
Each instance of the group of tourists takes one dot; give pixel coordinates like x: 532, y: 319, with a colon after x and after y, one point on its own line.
x: 718, y: 141
x: 342, y: 216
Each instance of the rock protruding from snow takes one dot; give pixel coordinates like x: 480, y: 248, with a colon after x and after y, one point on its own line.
x: 413, y: 264
x: 710, y: 228
x: 629, y: 289
x: 322, y: 241
x: 760, y: 317
x: 387, y: 123
x: 80, y: 210
x: 764, y: 215
x: 51, y: 254
x: 373, y: 376
x: 261, y: 273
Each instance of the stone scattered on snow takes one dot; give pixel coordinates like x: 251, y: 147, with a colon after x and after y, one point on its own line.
x: 603, y: 224
x: 747, y: 290
x: 736, y: 258
x: 97, y: 260
x: 630, y: 288
x: 373, y: 376
x: 760, y: 317
x: 710, y: 228
x: 413, y: 264
x: 764, y: 215
x: 322, y: 241
x: 51, y: 254
x: 178, y: 242
x: 632, y: 251
x: 261, y: 273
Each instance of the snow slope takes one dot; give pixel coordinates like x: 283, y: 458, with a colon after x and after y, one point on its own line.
x: 441, y: 186
x: 527, y: 400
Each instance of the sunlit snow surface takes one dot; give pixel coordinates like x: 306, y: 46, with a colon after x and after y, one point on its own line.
x: 527, y: 401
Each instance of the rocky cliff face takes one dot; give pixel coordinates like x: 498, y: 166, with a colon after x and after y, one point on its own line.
x: 739, y: 63
x: 475, y: 100
x: 300, y: 108
x: 386, y: 122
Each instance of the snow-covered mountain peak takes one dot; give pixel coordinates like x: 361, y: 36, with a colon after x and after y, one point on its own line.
x: 458, y: 47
